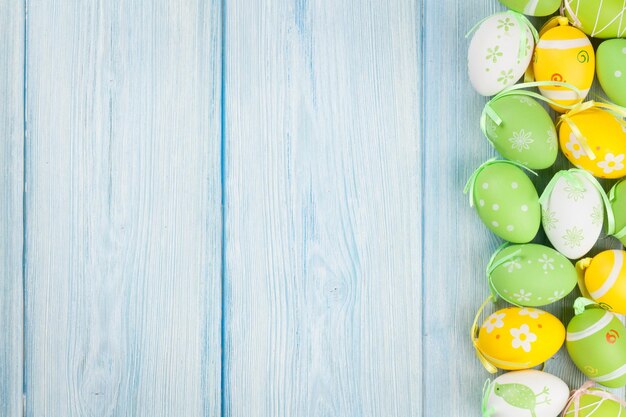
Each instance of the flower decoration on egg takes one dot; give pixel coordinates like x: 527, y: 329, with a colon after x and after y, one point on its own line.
x: 522, y: 338
x: 494, y: 322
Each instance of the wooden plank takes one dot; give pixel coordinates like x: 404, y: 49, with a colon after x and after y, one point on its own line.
x: 124, y: 219
x: 457, y: 246
x: 11, y: 219
x: 323, y: 227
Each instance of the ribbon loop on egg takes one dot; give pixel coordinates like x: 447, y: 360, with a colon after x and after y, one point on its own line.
x: 585, y: 389
x: 474, y: 336
x: 518, y: 89
x: 581, y: 266
x: 487, y: 412
x: 581, y: 303
x: 567, y: 6
x: 469, y: 186
x: 493, y: 264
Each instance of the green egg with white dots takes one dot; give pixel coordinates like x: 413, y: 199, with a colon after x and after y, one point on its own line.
x: 522, y: 131
x: 506, y: 200
x: 530, y: 275
x: 611, y: 69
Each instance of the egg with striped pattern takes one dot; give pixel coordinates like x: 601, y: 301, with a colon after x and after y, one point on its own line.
x: 533, y: 7
x: 604, y: 135
x: 520, y: 338
x: 601, y: 19
x: 564, y: 54
x: 595, y: 402
x: 596, y: 342
x: 605, y: 280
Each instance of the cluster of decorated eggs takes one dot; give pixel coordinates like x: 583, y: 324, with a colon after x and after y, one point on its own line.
x: 573, y: 209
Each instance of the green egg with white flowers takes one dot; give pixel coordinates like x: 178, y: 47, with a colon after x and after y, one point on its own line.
x: 611, y: 69
x: 533, y: 7
x: 506, y: 200
x: 530, y: 275
x: 617, y: 198
x: 521, y: 130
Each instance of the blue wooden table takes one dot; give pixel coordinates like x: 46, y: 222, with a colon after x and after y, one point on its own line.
x: 240, y: 208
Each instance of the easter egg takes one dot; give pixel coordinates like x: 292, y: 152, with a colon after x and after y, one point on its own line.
x: 598, y: 18
x: 533, y: 7
x: 617, y: 196
x: 611, y: 69
x: 564, y: 54
x: 520, y: 338
x: 605, y: 136
x: 506, y: 201
x: 526, y: 393
x: 572, y: 212
x: 596, y: 342
x: 595, y: 402
x: 531, y: 275
x: 526, y: 133
x: 605, y: 280
x: 499, y: 52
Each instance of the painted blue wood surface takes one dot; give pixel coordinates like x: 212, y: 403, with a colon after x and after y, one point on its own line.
x: 308, y: 156
x: 323, y: 215
x: 11, y: 191
x: 123, y: 212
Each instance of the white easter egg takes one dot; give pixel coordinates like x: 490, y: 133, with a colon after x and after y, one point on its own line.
x: 572, y: 212
x: 526, y: 393
x: 499, y: 53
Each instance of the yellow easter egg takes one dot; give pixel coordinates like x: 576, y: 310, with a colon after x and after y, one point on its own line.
x: 564, y: 54
x: 605, y: 280
x: 519, y: 338
x: 605, y: 136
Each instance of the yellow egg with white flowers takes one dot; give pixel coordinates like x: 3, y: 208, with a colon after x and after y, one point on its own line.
x: 519, y: 338
x: 594, y: 139
x: 564, y: 54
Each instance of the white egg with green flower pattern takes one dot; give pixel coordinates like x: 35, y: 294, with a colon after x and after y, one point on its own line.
x: 531, y: 275
x: 572, y: 213
x: 499, y: 53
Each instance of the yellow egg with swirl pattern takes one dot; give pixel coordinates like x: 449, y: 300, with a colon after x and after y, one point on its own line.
x: 601, y: 146
x: 564, y: 54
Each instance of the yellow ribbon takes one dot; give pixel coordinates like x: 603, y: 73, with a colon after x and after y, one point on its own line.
x: 474, y: 336
x: 581, y: 266
x: 617, y: 111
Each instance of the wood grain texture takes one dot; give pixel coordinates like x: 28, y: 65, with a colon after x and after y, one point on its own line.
x: 457, y: 246
x: 123, y: 208
x: 323, y: 227
x: 11, y: 191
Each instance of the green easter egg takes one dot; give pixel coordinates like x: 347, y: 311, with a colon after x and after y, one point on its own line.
x: 526, y: 133
x: 611, y: 69
x: 596, y: 342
x: 533, y: 7
x: 618, y: 206
x: 598, y: 18
x: 592, y: 404
x: 531, y: 275
x: 506, y: 201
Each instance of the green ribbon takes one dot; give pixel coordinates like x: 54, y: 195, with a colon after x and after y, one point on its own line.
x: 469, y: 186
x: 517, y: 89
x: 581, y: 304
x: 493, y: 264
x: 522, y: 23
x: 576, y: 182
x: 620, y: 233
x: 486, y: 412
